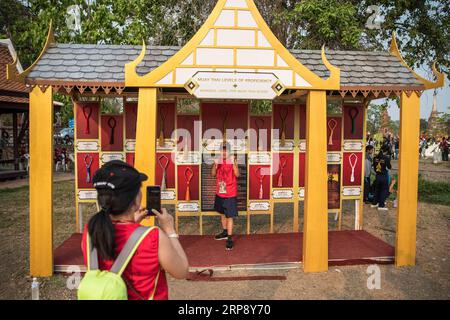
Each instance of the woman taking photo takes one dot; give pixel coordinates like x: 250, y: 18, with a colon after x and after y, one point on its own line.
x: 119, y: 196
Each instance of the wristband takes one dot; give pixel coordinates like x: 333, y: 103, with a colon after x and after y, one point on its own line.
x: 173, y: 235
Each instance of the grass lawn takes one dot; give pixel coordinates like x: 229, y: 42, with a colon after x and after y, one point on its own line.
x: 427, y: 280
x: 437, y: 192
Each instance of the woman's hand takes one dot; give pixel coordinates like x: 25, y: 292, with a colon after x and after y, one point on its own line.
x: 165, y: 221
x: 140, y: 215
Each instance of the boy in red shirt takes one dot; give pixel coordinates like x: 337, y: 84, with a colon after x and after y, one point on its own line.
x: 226, y: 171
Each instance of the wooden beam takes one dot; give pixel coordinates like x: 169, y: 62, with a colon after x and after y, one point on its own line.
x: 408, y: 167
x: 41, y: 182
x: 15, y: 142
x: 145, y: 159
x: 315, y: 236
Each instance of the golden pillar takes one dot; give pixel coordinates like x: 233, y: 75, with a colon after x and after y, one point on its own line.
x: 315, y: 236
x: 145, y: 159
x: 41, y: 182
x: 405, y: 249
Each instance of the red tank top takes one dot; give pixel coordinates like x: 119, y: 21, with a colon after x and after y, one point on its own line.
x: 225, y: 173
x: 143, y: 268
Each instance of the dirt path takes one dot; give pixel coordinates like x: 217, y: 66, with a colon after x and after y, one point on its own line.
x: 18, y: 183
x: 429, y: 279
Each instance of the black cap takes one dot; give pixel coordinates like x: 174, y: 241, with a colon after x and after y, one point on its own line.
x: 118, y: 176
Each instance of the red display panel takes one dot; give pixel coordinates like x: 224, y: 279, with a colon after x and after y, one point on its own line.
x: 165, y: 160
x: 353, y: 122
x: 302, y: 122
x: 187, y: 128
x: 112, y: 132
x: 130, y: 158
x: 85, y: 160
x: 182, y: 175
x: 302, y: 169
x: 87, y: 115
x: 130, y: 120
x: 255, y: 184
x: 261, y: 133
x: 166, y: 120
x: 352, y: 169
x: 284, y: 114
x: 218, y: 115
x: 334, y: 133
x: 282, y: 169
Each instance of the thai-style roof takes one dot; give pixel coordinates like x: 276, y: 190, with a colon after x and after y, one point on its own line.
x: 11, y: 92
x: 234, y: 38
x: 104, y: 65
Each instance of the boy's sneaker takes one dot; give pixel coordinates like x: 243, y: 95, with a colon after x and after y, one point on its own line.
x: 229, y: 245
x: 222, y: 236
x: 374, y: 206
x: 382, y: 209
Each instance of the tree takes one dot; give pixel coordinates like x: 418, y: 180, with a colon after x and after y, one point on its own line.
x: 334, y: 23
x: 422, y: 26
x: 374, y: 117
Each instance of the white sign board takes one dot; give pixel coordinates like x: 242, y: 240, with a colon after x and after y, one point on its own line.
x: 353, y: 145
x: 283, y: 194
x: 168, y: 195
x: 234, y: 85
x: 349, y: 192
x: 87, y: 195
x: 87, y: 146
x: 130, y: 145
x: 188, y: 207
x: 107, y: 157
x: 259, y: 206
x: 259, y: 158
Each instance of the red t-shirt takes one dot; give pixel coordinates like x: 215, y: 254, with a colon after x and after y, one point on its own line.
x: 225, y: 172
x: 143, y: 267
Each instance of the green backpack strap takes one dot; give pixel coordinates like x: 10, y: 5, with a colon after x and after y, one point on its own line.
x: 129, y: 249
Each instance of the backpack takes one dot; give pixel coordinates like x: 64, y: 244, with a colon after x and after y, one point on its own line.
x: 109, y: 285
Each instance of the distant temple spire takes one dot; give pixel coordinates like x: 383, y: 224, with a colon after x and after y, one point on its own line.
x: 434, y: 126
x: 434, y: 103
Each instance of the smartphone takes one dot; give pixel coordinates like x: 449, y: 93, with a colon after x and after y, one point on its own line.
x: 153, y: 199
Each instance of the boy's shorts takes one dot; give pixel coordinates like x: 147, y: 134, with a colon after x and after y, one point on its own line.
x: 226, y: 206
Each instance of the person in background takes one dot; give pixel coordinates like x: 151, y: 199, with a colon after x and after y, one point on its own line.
x: 397, y: 146
x: 423, y: 147
x: 368, y: 172
x: 119, y: 196
x: 444, y: 146
x: 381, y: 165
x: 226, y: 171
x: 393, y: 189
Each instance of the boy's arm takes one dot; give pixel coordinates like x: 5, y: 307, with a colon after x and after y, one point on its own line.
x: 236, y: 168
x: 214, y: 170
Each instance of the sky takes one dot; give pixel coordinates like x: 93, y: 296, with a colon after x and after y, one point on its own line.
x: 426, y: 101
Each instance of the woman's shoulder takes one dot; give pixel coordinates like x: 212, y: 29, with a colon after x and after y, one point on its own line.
x: 151, y: 240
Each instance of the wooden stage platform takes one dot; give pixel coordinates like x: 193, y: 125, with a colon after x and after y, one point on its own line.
x: 259, y: 251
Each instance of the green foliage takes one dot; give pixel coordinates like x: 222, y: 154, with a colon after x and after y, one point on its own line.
x: 188, y: 106
x: 444, y: 123
x: 423, y: 29
x: 434, y: 192
x: 374, y: 113
x: 423, y: 125
x: 260, y: 107
x: 330, y: 22
x: 66, y: 111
